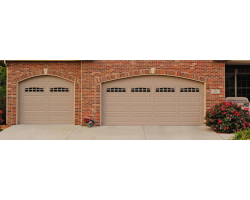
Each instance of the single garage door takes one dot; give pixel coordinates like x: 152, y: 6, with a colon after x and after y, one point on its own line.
x: 153, y: 100
x: 46, y: 100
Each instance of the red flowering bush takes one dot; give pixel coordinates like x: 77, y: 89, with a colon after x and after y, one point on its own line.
x: 3, y: 110
x: 227, y: 117
x: 1, y: 117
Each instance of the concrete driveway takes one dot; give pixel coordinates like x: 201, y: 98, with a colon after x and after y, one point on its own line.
x: 73, y: 132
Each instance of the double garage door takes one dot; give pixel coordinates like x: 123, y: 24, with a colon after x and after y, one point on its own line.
x: 46, y: 100
x: 153, y: 100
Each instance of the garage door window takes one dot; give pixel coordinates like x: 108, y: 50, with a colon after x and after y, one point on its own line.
x: 116, y: 89
x: 140, y: 89
x: 33, y: 89
x: 59, y: 89
x: 189, y: 90
x: 165, y: 90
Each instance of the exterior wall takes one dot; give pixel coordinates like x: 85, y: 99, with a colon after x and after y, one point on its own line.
x: 21, y: 70
x: 96, y: 72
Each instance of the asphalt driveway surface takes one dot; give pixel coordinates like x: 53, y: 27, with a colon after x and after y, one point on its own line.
x: 76, y: 132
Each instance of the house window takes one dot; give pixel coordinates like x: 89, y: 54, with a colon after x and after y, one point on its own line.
x: 190, y: 90
x: 59, y: 89
x: 140, y: 89
x: 33, y: 89
x: 116, y: 89
x: 165, y: 90
x: 237, y: 81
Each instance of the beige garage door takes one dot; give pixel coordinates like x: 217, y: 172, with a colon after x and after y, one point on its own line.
x: 46, y: 100
x: 153, y: 100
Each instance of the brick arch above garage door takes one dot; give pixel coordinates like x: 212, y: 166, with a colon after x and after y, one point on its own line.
x: 153, y: 100
x: 142, y: 72
x: 57, y: 73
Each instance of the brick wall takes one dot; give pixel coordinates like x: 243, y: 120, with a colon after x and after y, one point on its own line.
x: 21, y: 70
x: 96, y: 72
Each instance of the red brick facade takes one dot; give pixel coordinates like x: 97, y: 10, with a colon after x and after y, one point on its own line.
x: 93, y: 73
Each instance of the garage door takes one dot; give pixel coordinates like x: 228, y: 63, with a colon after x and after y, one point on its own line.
x: 46, y: 100
x: 153, y: 100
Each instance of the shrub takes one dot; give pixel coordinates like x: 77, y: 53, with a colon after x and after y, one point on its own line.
x: 1, y: 119
x: 2, y: 92
x: 3, y: 110
x: 227, y: 117
x: 242, y: 135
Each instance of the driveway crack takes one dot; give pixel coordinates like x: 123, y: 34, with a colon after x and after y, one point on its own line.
x: 71, y: 133
x: 221, y: 137
x: 144, y: 132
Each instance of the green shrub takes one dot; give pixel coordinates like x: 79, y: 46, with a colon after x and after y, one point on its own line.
x: 227, y: 117
x: 2, y: 92
x: 2, y: 110
x: 242, y: 135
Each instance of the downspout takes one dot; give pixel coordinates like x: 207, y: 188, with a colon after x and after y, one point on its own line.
x: 235, y: 79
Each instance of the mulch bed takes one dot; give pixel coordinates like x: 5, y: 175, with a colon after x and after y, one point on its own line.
x: 4, y: 126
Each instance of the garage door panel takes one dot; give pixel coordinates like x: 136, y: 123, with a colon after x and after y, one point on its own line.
x: 141, y: 79
x: 116, y: 99
x: 59, y: 99
x: 56, y: 118
x: 116, y: 119
x: 51, y: 106
x: 39, y: 80
x: 140, y: 109
x: 164, y: 99
x: 58, y: 108
x: 37, y: 99
x: 163, y: 104
x: 163, y: 79
x: 141, y: 99
x: 116, y: 109
x: 33, y: 108
x: 141, y: 119
x: 190, y: 99
x: 34, y: 118
x: 190, y: 109
x: 190, y: 119
x: 165, y: 108
x: 165, y: 119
